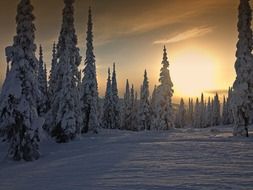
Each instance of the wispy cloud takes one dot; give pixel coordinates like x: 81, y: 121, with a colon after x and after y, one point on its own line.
x: 192, y: 33
x: 128, y: 26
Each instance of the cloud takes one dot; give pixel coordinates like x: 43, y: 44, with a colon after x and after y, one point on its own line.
x: 193, y: 33
x: 128, y: 26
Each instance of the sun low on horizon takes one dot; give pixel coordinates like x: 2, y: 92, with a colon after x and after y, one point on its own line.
x: 198, y: 69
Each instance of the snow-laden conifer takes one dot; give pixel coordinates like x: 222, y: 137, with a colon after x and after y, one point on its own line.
x: 216, y: 111
x: 115, y: 101
x: 52, y: 75
x: 133, y: 110
x: 225, y: 112
x: 107, y: 120
x: 209, y: 113
x: 68, y: 37
x: 190, y: 112
x: 65, y: 114
x: 145, y: 110
x: 243, y: 85
x: 126, y: 112
x: 165, y: 115
x: 154, y: 111
x: 89, y: 88
x: 180, y: 120
x: 67, y: 123
x: 42, y: 80
x: 19, y: 121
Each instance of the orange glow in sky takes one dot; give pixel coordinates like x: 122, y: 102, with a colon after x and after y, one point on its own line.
x: 193, y: 71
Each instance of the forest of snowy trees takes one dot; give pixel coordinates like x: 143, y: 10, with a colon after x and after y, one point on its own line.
x: 66, y: 104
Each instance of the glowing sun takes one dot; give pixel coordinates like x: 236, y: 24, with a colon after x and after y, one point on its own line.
x: 193, y: 72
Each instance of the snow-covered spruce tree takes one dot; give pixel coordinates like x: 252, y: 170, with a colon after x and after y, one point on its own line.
x: 42, y: 80
x: 42, y: 73
x: 126, y: 116
x: 180, y: 120
x: 53, y: 75
x: 197, y: 113
x: 190, y: 112
x: 165, y: 115
x: 68, y: 30
x: 133, y: 110
x: 225, y: 112
x: 144, y: 109
x: 67, y: 116
x: 216, y: 111
x: 153, y: 103
x: 115, y: 101
x: 51, y: 90
x: 19, y: 121
x: 65, y: 113
x: 209, y: 113
x: 89, y: 92
x: 242, y: 98
x: 108, y: 111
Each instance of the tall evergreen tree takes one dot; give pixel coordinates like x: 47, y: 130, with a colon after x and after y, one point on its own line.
x: 216, y: 111
x: 107, y: 120
x: 225, y: 112
x: 165, y: 114
x: 180, y: 121
x: 89, y: 94
x: 135, y: 109
x: 115, y: 101
x: 153, y: 97
x: 154, y: 111
x: 67, y: 118
x: 243, y: 85
x: 68, y: 29
x: 145, y: 110
x: 19, y: 121
x: 65, y: 112
x: 42, y: 79
x: 53, y: 75
x: 126, y: 116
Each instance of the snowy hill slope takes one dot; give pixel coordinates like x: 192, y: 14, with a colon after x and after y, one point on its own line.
x: 118, y: 160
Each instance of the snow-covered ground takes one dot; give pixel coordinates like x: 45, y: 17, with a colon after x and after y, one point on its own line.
x: 119, y: 160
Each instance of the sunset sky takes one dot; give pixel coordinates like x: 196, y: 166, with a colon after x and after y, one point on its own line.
x: 200, y: 36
